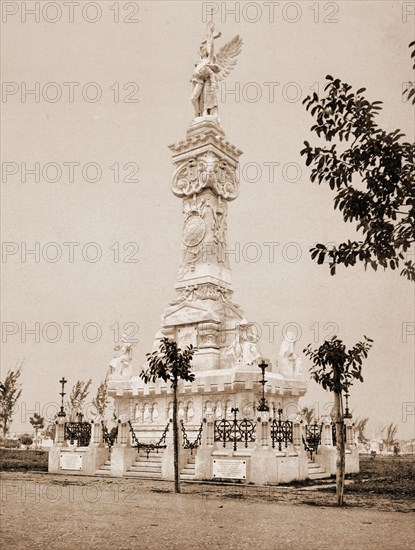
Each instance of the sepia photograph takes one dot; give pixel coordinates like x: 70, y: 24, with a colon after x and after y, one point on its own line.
x: 208, y: 267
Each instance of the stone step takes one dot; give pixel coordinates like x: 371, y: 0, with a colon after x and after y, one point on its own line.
x: 143, y: 475
x: 315, y: 467
x: 315, y: 471
x: 144, y: 468
x: 321, y: 475
x: 188, y: 471
x: 102, y: 472
x: 150, y: 453
x: 146, y: 462
x: 144, y: 457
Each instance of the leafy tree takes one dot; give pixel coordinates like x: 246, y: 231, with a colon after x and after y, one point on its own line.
x: 77, y: 397
x: 336, y: 369
x: 38, y: 422
x: 10, y: 392
x: 50, y: 430
x: 389, y: 439
x: 410, y: 90
x: 371, y: 173
x: 308, y: 414
x: 360, y: 427
x: 171, y: 364
x: 100, y: 401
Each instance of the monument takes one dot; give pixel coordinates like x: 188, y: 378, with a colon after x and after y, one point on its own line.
x: 235, y: 423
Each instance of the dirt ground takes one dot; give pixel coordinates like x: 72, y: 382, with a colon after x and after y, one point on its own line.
x: 40, y: 511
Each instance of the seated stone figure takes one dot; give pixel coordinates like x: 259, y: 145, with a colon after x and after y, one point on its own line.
x: 245, y: 348
x: 289, y: 362
x: 250, y: 350
x: 120, y: 366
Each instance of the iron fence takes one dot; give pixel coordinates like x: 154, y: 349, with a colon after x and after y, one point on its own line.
x: 235, y: 431
x: 79, y: 432
x: 281, y: 433
x: 109, y: 437
x: 312, y: 438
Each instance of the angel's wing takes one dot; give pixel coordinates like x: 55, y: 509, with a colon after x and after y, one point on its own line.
x: 226, y: 58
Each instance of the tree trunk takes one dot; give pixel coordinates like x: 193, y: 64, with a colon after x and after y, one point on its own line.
x: 36, y: 431
x: 340, y: 446
x: 175, y: 439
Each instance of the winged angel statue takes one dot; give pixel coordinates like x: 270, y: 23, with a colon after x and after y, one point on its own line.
x: 210, y: 70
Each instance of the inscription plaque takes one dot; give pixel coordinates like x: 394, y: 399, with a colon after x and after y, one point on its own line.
x: 70, y: 461
x: 229, y: 469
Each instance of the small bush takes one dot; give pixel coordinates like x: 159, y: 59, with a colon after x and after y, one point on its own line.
x: 25, y: 439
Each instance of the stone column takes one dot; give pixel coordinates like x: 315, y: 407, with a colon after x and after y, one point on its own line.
x: 209, y: 436
x: 263, y: 430
x: 122, y: 454
x: 96, y: 436
x: 327, y: 435
x: 349, y: 431
x: 297, y: 433
x: 204, y: 452
x: 60, y: 431
x: 59, y: 445
x: 167, y: 461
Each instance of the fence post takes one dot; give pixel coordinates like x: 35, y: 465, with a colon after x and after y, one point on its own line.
x: 60, y: 432
x: 327, y: 438
x: 123, y: 434
x: 96, y: 436
x: 349, y: 431
x: 297, y: 429
x: 262, y: 430
x: 209, y: 437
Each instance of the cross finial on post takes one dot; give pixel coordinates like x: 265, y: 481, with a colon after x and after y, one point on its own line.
x: 62, y: 394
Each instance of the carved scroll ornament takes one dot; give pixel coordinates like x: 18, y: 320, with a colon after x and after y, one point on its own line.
x: 205, y: 172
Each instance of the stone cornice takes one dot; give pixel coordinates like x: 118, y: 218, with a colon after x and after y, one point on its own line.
x: 203, y: 137
x: 228, y: 381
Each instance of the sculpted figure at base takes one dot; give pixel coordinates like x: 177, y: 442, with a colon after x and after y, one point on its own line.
x: 210, y: 70
x: 245, y: 348
x: 288, y: 361
x: 120, y: 366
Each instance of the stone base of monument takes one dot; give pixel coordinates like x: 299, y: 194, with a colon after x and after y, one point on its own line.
x: 69, y: 459
x: 210, y: 461
x: 122, y: 458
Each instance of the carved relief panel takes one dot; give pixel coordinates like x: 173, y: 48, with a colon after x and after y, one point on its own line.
x: 204, y: 237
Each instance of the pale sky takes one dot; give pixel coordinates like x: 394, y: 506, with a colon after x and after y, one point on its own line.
x: 151, y: 59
